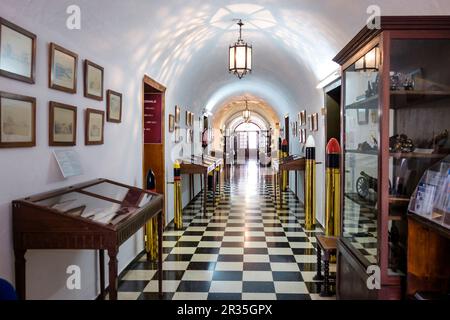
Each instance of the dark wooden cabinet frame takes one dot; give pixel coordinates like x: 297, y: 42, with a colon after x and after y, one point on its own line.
x: 36, y: 227
x: 351, y: 266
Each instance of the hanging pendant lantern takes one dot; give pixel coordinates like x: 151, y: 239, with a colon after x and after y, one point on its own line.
x: 246, y: 113
x: 240, y: 56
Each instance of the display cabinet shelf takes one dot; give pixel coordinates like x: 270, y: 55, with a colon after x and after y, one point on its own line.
x: 417, y: 155
x: 367, y: 103
x: 411, y: 98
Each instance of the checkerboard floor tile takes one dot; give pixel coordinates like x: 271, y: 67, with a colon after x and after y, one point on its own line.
x: 245, y: 248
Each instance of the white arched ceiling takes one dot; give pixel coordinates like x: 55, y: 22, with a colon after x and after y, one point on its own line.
x: 184, y: 45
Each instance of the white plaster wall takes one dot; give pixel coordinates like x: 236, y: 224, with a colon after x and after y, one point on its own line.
x: 33, y: 170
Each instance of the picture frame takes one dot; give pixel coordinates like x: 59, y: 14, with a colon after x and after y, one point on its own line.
x: 113, y: 106
x: 189, y: 136
x: 177, y: 114
x: 62, y: 71
x: 363, y: 116
x: 62, y: 125
x: 302, y: 118
x: 17, y: 121
x: 93, y: 80
x: 304, y: 135
x: 310, y: 122
x: 171, y: 122
x: 177, y: 135
x: 17, y: 42
x: 94, y: 127
x: 192, y: 120
x: 188, y: 119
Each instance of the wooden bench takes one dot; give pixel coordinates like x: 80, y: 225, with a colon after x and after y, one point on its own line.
x: 328, y: 246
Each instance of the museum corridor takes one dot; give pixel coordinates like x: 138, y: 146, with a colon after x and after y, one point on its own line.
x: 245, y: 248
x: 225, y: 150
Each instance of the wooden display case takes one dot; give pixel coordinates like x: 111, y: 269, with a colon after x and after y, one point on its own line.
x: 98, y: 215
x: 395, y: 113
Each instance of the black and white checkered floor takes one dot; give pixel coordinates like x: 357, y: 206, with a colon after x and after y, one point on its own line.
x: 245, y: 248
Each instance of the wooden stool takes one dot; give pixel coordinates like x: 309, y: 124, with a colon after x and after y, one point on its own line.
x: 328, y: 246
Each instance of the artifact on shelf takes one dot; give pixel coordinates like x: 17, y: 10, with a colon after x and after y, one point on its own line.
x: 401, y: 143
x: 364, y: 184
x: 366, y: 146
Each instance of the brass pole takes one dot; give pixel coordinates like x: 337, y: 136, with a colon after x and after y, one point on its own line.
x: 310, y: 184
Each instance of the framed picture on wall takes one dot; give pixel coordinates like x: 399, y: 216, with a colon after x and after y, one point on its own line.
x: 310, y: 123
x: 17, y: 52
x: 363, y: 116
x: 177, y: 114
x: 62, y: 129
x: 62, y: 69
x: 302, y: 118
x: 113, y: 106
x: 17, y: 121
x: 93, y: 81
x: 94, y: 127
x: 171, y: 123
x: 304, y: 135
x: 315, y: 122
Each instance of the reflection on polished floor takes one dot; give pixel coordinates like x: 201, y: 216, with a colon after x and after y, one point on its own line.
x: 246, y: 248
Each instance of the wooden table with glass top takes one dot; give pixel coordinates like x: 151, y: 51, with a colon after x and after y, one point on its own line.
x: 99, y: 215
x: 203, y: 166
x: 291, y: 163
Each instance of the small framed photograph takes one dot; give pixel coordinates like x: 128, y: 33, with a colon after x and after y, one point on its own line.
x: 189, y: 136
x: 302, y: 118
x: 177, y: 114
x: 171, y: 123
x: 17, y: 52
x: 62, y: 130
x: 188, y: 119
x: 17, y: 121
x: 304, y: 135
x: 113, y: 106
x: 93, y: 81
x: 63, y: 66
x: 310, y: 123
x: 315, y: 122
x: 363, y: 116
x: 177, y: 135
x: 94, y: 127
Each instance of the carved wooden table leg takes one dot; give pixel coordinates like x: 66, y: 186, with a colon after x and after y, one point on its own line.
x: 20, y: 265
x: 280, y: 186
x: 160, y: 253
x: 101, y: 257
x: 205, y: 192
x: 296, y: 183
x: 113, y: 269
x: 214, y: 187
x: 274, y: 178
x: 318, y: 276
x: 326, y: 282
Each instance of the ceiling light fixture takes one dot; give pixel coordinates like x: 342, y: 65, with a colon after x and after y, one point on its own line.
x: 240, y: 56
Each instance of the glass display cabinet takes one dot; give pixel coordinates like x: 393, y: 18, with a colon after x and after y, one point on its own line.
x: 395, y: 121
x: 95, y: 215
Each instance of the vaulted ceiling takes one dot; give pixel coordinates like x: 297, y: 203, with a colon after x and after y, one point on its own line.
x: 183, y: 44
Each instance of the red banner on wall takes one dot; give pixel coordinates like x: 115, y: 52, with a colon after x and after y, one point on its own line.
x: 152, y: 118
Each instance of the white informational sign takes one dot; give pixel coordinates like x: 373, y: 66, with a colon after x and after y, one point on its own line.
x: 69, y: 162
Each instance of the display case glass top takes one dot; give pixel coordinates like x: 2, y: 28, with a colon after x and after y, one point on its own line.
x: 102, y: 201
